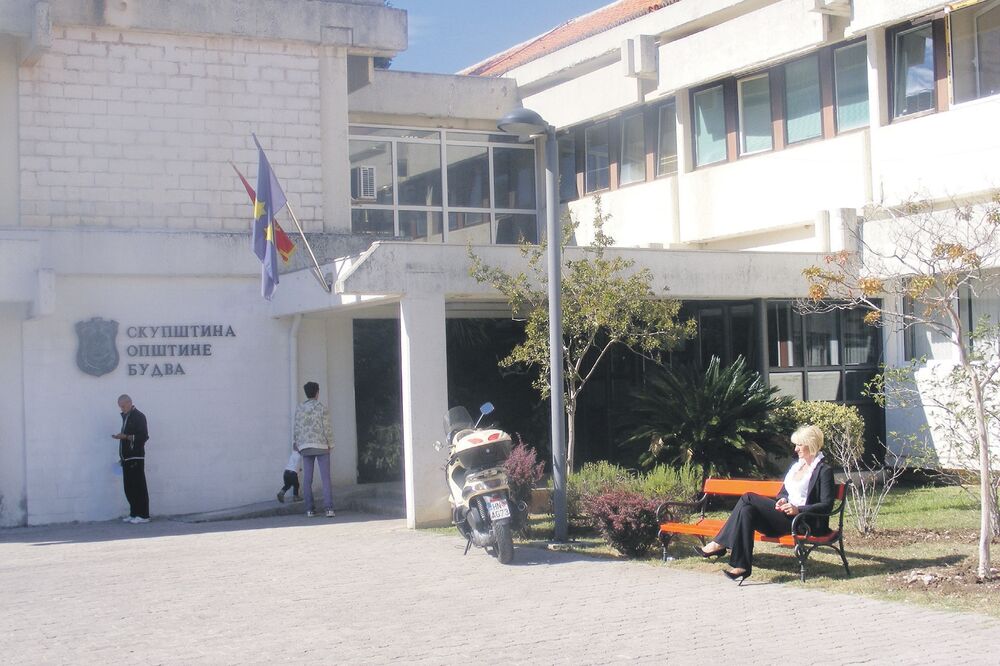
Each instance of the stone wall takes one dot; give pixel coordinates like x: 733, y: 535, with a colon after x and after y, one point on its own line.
x: 136, y: 129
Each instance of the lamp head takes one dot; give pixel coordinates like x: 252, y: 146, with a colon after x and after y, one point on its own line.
x: 525, y: 123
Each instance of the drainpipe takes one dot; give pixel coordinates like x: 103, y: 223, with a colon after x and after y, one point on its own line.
x: 293, y: 369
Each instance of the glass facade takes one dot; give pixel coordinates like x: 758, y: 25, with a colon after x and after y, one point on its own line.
x: 406, y: 183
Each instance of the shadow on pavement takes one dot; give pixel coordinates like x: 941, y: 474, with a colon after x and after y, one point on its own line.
x: 115, y: 530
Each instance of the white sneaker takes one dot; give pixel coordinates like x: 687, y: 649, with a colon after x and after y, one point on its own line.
x: 127, y: 519
x: 330, y: 513
x: 310, y: 514
x: 138, y: 521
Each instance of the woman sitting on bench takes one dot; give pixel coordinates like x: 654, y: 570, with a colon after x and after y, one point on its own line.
x: 808, y: 488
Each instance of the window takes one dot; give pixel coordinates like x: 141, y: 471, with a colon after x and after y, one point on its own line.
x: 468, y: 176
x: 709, y: 126
x: 598, y: 173
x: 513, y: 228
x: 633, y: 153
x: 418, y: 173
x: 666, y: 140
x: 755, y: 114
x: 377, y: 155
x: 913, y: 71
x: 514, y: 178
x: 784, y: 335
x: 469, y: 228
x: 420, y: 225
x: 373, y: 221
x: 567, y: 168
x: 802, y: 100
x: 975, y: 51
x: 850, y: 72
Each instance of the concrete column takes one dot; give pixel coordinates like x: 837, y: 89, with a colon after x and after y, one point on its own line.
x: 844, y: 232
x: 333, y: 84
x: 685, y: 157
x: 340, y: 379
x: 13, y: 482
x: 9, y: 163
x: 425, y: 400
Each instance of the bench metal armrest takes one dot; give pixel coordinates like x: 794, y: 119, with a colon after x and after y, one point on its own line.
x: 665, y: 507
x: 801, y: 529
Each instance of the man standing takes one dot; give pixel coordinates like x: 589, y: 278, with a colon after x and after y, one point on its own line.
x: 313, y: 438
x: 132, y: 456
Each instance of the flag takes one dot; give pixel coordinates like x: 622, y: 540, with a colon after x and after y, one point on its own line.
x: 285, y: 245
x: 269, y: 200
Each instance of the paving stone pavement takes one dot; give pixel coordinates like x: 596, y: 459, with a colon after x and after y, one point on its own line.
x: 358, y: 590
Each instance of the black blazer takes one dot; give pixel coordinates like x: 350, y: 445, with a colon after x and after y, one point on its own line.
x: 819, y: 498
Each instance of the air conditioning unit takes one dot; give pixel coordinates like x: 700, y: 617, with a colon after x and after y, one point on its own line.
x: 363, y: 183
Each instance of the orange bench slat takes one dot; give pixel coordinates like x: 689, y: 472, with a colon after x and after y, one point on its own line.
x: 740, y: 486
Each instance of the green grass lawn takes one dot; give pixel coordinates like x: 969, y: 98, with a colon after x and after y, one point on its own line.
x: 924, y: 529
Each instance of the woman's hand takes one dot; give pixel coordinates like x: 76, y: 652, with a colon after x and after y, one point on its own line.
x: 789, y: 509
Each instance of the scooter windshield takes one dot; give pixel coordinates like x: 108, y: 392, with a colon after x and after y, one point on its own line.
x: 457, y: 418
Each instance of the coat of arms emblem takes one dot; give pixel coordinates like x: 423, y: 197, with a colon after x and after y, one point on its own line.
x: 96, y: 352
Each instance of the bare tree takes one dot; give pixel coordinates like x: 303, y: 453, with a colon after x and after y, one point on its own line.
x: 914, y: 263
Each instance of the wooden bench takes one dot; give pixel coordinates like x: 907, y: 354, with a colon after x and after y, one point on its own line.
x: 801, y: 540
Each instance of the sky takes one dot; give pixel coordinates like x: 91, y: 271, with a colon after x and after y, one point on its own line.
x: 448, y: 35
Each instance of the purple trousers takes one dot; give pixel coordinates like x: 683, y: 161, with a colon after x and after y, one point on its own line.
x: 324, y: 474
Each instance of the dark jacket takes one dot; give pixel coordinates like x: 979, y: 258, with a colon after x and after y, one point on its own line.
x: 133, y: 425
x: 819, y: 498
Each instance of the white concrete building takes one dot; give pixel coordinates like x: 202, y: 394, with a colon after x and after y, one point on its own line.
x: 729, y: 163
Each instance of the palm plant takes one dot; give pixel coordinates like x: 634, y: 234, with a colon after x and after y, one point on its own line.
x: 719, y: 419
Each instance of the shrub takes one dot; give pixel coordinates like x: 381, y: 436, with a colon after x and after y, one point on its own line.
x: 593, y: 479
x: 842, y: 426
x: 626, y: 519
x: 664, y: 483
x: 524, y: 470
x: 719, y: 419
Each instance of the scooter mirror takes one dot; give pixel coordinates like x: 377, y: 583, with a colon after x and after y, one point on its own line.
x: 487, y: 408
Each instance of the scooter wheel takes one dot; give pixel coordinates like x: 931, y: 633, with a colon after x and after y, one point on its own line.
x: 505, y: 542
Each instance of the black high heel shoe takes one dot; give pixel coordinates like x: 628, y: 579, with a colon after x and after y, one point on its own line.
x: 717, y: 553
x: 739, y: 577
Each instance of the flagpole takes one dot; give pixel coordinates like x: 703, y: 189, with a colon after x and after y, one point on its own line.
x: 317, y: 271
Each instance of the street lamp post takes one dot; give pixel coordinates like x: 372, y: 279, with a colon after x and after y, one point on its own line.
x: 527, y: 124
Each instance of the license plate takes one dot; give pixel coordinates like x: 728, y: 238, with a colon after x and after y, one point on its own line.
x: 499, y: 509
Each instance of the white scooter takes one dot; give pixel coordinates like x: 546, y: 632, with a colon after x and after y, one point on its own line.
x: 480, y: 494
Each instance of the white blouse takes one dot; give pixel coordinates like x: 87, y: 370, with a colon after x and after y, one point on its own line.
x: 798, y: 488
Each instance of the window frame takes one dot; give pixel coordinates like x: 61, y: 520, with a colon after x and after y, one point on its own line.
x: 939, y: 102
x: 659, y: 140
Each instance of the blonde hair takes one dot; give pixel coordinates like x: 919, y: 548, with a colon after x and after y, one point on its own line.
x: 810, y: 437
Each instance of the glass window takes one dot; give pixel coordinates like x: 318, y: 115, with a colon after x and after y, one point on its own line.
x: 514, y: 178
x: 469, y: 228
x: 784, y: 335
x: 744, y: 329
x: 850, y: 72
x: 709, y: 126
x: 633, y: 157
x: 368, y: 158
x: 787, y: 383
x: 598, y: 176
x: 418, y: 174
x: 567, y: 168
x: 802, y: 100
x: 913, y: 83
x: 468, y: 176
x: 975, y: 51
x: 513, y: 228
x: 855, y: 382
x: 822, y: 341
x: 755, y: 114
x: 824, y: 385
x: 372, y: 221
x: 666, y: 142
x: 421, y: 225
x: 860, y: 339
x: 711, y: 335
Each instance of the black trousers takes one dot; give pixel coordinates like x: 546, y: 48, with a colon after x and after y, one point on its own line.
x: 753, y: 512
x: 134, y: 479
x: 290, y: 480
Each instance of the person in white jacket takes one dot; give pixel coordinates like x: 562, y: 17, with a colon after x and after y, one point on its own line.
x: 313, y: 438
